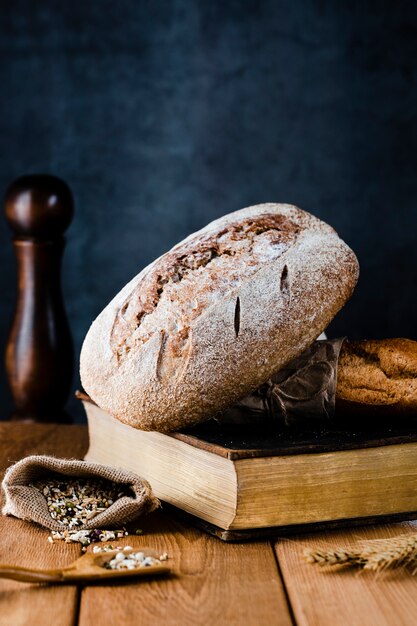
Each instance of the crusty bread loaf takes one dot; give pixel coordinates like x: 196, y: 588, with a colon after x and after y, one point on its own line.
x: 377, y: 377
x: 212, y: 319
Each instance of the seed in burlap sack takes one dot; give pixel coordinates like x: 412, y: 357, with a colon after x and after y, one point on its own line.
x: 73, y: 501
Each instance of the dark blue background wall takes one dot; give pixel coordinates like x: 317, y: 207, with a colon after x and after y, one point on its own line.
x: 165, y: 115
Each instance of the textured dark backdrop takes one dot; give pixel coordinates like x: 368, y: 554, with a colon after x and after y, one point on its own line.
x: 165, y: 115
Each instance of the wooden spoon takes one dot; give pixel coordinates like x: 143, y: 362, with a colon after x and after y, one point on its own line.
x: 88, y: 569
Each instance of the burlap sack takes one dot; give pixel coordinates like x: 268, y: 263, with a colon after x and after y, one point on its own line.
x: 29, y: 504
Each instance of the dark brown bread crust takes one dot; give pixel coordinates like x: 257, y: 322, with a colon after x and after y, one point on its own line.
x: 377, y: 377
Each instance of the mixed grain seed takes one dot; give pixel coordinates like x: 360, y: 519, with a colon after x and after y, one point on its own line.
x: 128, y: 559
x: 107, y: 548
x: 110, y: 548
x: 75, y: 501
x: 86, y: 537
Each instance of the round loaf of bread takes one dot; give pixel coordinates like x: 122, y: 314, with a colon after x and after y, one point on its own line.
x: 213, y: 318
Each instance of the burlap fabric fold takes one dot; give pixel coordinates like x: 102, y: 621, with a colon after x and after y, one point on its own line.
x: 301, y: 394
x: 29, y: 504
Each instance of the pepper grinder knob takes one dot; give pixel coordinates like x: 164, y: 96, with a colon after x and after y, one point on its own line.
x: 39, y: 353
x: 39, y: 207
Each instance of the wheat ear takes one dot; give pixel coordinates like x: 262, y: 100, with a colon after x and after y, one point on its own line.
x: 376, y: 555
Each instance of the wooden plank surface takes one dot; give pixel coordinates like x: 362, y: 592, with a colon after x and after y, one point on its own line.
x: 337, y: 597
x: 25, y: 544
x: 213, y: 583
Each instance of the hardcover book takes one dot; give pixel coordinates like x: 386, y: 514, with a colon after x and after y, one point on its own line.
x: 239, y: 485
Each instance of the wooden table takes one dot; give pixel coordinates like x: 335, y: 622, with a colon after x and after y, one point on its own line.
x: 262, y: 583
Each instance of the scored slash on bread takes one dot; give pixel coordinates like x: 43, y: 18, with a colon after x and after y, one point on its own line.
x: 213, y: 318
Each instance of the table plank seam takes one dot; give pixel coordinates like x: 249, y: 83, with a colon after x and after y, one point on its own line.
x: 77, y: 607
x: 284, y: 586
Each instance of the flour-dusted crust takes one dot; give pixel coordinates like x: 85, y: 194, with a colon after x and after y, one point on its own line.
x: 213, y: 318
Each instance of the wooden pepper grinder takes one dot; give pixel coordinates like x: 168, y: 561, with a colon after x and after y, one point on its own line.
x: 39, y: 353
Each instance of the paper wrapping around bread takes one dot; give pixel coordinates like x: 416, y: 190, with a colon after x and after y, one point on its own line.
x: 216, y: 316
x: 302, y: 394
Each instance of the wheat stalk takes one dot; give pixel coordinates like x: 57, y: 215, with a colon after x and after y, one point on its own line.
x: 376, y: 555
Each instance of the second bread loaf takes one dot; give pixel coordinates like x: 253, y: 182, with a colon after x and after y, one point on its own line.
x: 377, y: 377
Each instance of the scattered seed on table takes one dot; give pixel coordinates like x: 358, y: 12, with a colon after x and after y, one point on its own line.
x: 86, y: 537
